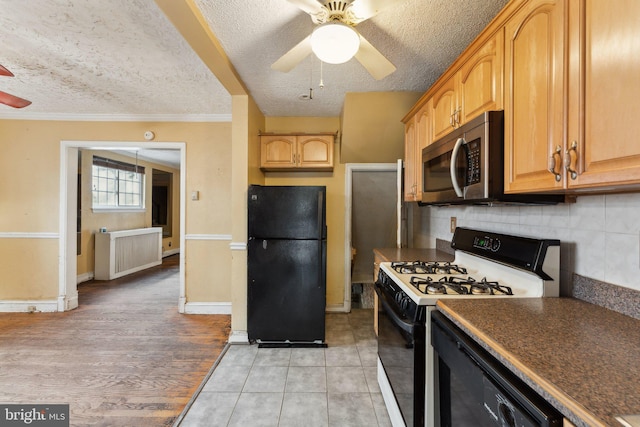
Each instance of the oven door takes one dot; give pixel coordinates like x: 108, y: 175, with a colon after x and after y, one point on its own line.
x: 474, y: 389
x: 401, y: 350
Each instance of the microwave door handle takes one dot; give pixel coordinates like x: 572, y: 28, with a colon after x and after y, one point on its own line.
x: 452, y: 167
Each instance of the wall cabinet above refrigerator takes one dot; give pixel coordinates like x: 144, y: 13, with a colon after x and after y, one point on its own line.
x: 296, y: 152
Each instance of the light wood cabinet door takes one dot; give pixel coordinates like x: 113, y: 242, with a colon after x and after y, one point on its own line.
x: 315, y: 152
x: 423, y: 138
x: 475, y: 88
x: 278, y: 151
x: 535, y: 45
x: 445, y: 108
x: 296, y: 152
x: 410, y: 184
x: 604, y: 94
x: 481, y: 80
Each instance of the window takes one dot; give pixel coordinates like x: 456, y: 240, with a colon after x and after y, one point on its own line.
x: 117, y: 185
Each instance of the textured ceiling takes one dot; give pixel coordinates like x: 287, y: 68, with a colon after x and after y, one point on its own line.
x: 420, y: 37
x: 102, y: 57
x: 124, y: 56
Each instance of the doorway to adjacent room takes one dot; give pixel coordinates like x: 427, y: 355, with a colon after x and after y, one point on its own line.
x: 372, y: 221
x: 67, y: 279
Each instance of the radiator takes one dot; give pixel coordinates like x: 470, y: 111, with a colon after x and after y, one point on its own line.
x: 118, y: 253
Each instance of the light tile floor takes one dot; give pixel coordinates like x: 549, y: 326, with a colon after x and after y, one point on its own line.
x: 290, y: 387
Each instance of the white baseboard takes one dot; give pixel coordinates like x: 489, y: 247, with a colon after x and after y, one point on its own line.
x: 70, y: 303
x: 207, y: 308
x: 44, y: 306
x: 336, y: 308
x: 239, y: 337
x: 84, y: 277
x: 170, y: 252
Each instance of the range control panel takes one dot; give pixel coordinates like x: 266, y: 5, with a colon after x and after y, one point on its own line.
x: 487, y: 243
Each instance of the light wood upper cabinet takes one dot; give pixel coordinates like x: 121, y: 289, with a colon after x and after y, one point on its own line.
x: 297, y: 152
x: 481, y: 80
x: 417, y: 136
x: 572, y: 91
x: 535, y: 46
x: 445, y: 107
x: 410, y: 149
x: 424, y: 137
x: 604, y: 94
x: 475, y: 88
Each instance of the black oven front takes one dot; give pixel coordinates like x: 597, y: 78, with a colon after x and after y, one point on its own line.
x: 401, y: 348
x: 473, y: 389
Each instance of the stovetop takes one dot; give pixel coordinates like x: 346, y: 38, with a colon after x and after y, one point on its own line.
x: 486, y: 265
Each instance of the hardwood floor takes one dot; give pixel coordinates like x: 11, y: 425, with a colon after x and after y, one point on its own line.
x: 125, y: 357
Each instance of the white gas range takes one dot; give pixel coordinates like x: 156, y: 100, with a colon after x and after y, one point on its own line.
x: 485, y: 265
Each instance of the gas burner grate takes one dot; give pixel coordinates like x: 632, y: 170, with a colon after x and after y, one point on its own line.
x: 429, y: 267
x: 456, y: 285
x: 494, y: 288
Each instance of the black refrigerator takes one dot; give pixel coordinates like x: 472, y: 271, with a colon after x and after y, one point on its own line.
x: 287, y: 264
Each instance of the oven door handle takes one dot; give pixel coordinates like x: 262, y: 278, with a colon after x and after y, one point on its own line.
x: 395, y: 318
x: 452, y: 167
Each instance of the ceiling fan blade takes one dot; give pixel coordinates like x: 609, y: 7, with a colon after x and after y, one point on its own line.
x: 291, y: 59
x: 5, y: 72
x: 312, y: 7
x: 13, y: 101
x: 365, y: 9
x: 374, y: 62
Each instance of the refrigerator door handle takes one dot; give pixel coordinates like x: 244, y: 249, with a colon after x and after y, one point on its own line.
x: 320, y: 214
x: 321, y: 277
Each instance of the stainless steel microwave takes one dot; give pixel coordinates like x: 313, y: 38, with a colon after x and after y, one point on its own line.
x: 467, y: 166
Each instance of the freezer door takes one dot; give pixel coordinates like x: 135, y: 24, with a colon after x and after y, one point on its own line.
x: 286, y: 290
x: 287, y: 212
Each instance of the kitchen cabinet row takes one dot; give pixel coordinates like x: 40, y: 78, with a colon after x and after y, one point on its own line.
x: 302, y: 152
x: 564, y: 72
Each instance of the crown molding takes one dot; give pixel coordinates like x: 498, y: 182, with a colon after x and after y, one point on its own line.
x: 24, y: 115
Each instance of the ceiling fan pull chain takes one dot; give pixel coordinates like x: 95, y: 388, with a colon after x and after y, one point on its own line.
x: 321, y: 81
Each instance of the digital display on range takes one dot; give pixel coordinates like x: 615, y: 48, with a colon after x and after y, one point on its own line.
x: 486, y: 243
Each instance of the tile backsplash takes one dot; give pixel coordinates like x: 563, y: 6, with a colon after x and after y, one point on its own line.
x: 599, y: 234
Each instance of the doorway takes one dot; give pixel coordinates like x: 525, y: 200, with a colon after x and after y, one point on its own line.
x: 372, y: 214
x: 67, y: 279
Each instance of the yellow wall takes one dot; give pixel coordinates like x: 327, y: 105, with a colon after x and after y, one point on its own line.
x: 335, y: 182
x: 29, y: 200
x: 372, y: 128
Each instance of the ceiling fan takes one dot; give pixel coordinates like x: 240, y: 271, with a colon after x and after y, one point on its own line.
x: 8, y: 99
x: 335, y: 39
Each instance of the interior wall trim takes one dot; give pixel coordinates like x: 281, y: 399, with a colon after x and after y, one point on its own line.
x: 28, y: 235
x: 118, y: 117
x: 207, y: 308
x: 207, y: 237
x: 26, y: 306
x: 239, y: 337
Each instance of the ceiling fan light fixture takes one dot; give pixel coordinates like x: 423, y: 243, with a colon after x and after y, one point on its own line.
x: 335, y: 42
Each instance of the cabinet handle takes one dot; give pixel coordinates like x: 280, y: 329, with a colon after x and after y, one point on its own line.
x: 452, y: 120
x: 457, y: 116
x: 570, y: 164
x: 553, y: 163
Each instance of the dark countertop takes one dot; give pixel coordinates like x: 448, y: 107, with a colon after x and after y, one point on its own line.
x: 582, y: 358
x: 412, y: 254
